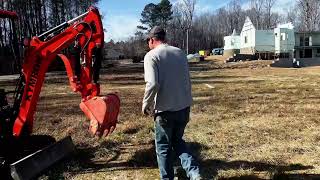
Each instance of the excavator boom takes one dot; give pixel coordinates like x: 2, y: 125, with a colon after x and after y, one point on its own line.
x: 86, y: 32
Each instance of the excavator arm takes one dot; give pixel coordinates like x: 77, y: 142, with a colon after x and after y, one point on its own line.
x: 86, y: 35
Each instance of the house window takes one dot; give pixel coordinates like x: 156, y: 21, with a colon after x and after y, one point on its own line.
x: 306, y: 41
x: 283, y: 36
x: 245, y: 39
x: 318, y: 53
x: 232, y: 43
x: 301, y: 40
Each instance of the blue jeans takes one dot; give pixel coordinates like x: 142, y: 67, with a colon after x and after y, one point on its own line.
x: 169, y: 129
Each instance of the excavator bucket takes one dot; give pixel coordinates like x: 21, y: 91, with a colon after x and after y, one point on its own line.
x: 102, y: 113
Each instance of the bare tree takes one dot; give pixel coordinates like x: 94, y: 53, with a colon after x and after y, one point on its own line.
x: 235, y: 15
x: 187, y: 8
x: 291, y: 15
x: 176, y: 27
x: 257, y: 12
x: 309, y: 14
x: 268, y: 4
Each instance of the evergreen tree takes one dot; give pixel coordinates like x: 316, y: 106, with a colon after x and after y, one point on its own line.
x: 149, y: 16
x: 165, y: 12
x: 156, y: 14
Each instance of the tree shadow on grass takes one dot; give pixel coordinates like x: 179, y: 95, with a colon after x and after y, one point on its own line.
x: 86, y: 159
x: 210, y: 167
x: 105, y: 158
x: 282, y: 176
x: 145, y: 158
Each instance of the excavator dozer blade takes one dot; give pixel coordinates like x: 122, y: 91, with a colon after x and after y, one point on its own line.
x: 102, y: 113
x: 30, y: 166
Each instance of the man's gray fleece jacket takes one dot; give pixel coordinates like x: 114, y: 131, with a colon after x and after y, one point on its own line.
x: 166, y: 73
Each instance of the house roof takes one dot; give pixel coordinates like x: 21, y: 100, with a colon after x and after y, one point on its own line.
x: 248, y: 24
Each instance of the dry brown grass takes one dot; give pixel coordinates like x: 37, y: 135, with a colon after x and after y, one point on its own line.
x: 249, y: 121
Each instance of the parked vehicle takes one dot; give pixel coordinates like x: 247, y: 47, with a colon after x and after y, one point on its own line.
x: 217, y: 51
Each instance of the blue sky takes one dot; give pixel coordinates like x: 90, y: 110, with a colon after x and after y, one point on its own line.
x: 121, y: 17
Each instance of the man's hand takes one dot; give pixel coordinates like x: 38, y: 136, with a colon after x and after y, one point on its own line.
x: 146, y: 110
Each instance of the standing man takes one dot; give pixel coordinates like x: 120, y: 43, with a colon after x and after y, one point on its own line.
x: 168, y: 87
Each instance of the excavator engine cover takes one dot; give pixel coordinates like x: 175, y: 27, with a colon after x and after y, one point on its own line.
x: 102, y: 113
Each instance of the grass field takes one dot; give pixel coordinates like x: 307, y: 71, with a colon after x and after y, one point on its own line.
x: 248, y: 121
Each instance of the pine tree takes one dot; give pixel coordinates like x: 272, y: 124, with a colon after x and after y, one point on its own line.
x: 156, y: 14
x: 165, y: 12
x: 149, y: 16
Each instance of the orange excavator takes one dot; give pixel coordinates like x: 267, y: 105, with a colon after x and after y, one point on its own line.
x: 85, y: 35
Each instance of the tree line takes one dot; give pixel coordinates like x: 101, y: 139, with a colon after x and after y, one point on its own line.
x: 37, y: 16
x: 192, y: 31
x: 34, y: 18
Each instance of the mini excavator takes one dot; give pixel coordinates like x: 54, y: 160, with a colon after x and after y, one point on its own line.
x: 84, y: 35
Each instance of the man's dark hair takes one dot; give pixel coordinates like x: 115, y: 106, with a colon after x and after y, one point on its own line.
x: 158, y: 33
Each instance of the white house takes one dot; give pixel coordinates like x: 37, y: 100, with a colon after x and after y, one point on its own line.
x: 231, y: 44
x: 253, y: 41
x: 284, y: 39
